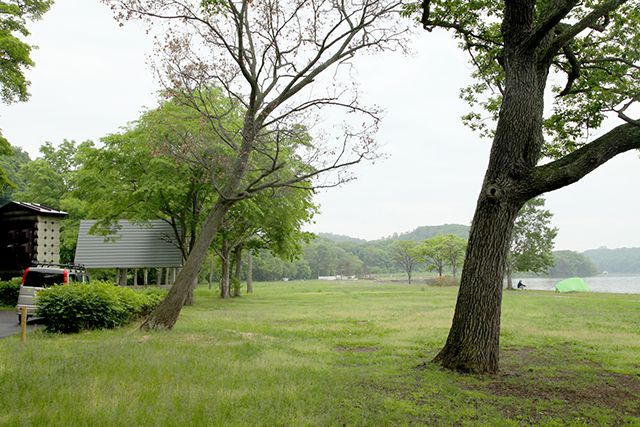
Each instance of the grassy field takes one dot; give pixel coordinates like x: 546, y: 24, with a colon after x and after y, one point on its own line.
x: 319, y: 353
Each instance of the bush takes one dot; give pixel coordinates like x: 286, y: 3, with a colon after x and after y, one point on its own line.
x: 77, y: 307
x: 236, y: 286
x: 442, y: 281
x: 9, y: 291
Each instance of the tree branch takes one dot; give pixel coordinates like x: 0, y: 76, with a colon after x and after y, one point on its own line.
x: 574, y: 71
x: 589, y: 21
x: 574, y: 166
x: 556, y: 11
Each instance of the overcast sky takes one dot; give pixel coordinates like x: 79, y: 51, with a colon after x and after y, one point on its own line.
x: 91, y: 78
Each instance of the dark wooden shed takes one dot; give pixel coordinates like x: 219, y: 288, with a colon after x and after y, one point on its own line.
x: 28, y: 233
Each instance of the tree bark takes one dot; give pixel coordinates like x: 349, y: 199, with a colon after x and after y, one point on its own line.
x: 211, y: 271
x: 226, y: 271
x: 188, y: 300
x: 473, y: 342
x: 165, y: 316
x: 250, y: 272
x: 474, y: 338
x: 509, y: 273
x: 238, y: 272
x: 122, y: 276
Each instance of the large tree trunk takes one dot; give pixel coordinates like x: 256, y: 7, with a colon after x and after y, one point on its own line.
x: 513, y: 177
x: 250, y: 272
x: 474, y: 337
x: 165, y: 316
x: 473, y: 342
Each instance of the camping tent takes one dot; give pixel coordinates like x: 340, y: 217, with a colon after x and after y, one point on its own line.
x: 574, y: 284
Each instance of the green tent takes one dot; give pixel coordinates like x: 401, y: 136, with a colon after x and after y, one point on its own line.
x: 573, y: 284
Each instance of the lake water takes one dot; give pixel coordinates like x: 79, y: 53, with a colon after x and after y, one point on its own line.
x: 608, y: 283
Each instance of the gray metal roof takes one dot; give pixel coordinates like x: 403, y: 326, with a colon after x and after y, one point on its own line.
x: 132, y: 246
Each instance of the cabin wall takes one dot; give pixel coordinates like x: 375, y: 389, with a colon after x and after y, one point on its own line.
x: 48, y: 240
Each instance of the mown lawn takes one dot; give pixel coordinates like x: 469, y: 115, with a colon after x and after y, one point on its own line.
x: 319, y: 353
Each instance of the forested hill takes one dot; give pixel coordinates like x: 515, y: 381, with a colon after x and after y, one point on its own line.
x: 419, y: 234
x: 339, y: 238
x: 429, y: 231
x: 621, y: 260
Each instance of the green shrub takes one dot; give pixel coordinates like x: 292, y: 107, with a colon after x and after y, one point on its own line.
x: 9, y: 291
x: 153, y: 298
x: 236, y: 286
x: 442, y: 281
x: 99, y: 305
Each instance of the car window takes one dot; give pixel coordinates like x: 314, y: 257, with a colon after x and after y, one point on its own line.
x: 42, y: 279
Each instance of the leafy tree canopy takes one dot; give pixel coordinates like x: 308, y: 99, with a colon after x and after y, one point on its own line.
x: 595, y: 72
x: 532, y: 238
x: 15, y: 51
x: 441, y: 251
x: 10, y: 164
x: 50, y: 180
x: 15, y: 58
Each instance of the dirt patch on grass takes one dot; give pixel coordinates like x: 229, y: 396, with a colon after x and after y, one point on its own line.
x: 565, y: 384
x: 343, y: 349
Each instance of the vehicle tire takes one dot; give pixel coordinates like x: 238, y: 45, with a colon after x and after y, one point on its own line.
x: 19, y: 319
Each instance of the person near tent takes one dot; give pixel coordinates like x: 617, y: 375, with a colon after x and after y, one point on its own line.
x: 521, y: 285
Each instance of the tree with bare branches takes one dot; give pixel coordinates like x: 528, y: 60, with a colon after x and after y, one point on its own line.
x: 270, y: 60
x: 583, y: 58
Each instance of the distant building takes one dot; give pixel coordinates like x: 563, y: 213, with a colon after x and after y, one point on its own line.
x: 131, y: 246
x: 28, y: 233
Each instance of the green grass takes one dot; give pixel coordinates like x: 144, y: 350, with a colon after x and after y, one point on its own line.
x: 318, y: 353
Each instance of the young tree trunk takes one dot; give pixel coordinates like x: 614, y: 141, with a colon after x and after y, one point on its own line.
x: 250, y: 272
x: 226, y: 271
x: 211, y: 271
x: 188, y: 300
x: 165, y: 316
x: 509, y: 272
x: 238, y: 272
